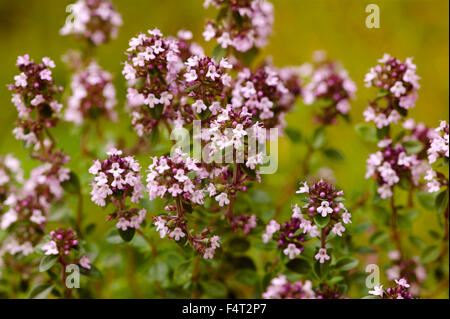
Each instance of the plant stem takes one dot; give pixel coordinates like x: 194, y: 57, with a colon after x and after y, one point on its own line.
x: 305, y: 164
x: 323, y: 237
x: 233, y: 195
x: 411, y: 198
x: 179, y: 206
x: 395, y: 232
x: 195, y: 275
x: 67, y: 291
x: 84, y: 139
x: 131, y: 271
x: 303, y: 169
x: 79, y: 214
x: 149, y: 242
x: 446, y: 236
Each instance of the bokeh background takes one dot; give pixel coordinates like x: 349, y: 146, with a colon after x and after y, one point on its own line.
x: 409, y: 28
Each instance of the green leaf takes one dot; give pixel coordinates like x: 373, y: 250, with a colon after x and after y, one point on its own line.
x: 271, y: 245
x: 383, y: 132
x: 364, y: 250
x: 378, y: 238
x: 247, y: 277
x: 318, y: 139
x: 426, y: 200
x: 218, y: 52
x: 147, y: 204
x: 47, y: 262
x: 183, y: 274
x: 404, y: 183
x: 321, y: 269
x: 239, y: 244
x: 333, y: 281
x: 243, y: 262
x: 267, y: 215
x: 404, y: 222
x: 411, y: 213
x: 249, y: 56
x: 320, y: 221
x: 223, y: 12
x: 346, y: 263
x: 192, y: 87
x: 140, y: 82
x: 94, y: 272
x: 413, y: 146
x: 90, y: 229
x: 72, y: 185
x: 367, y: 133
x: 41, y: 291
x: 333, y: 154
x: 299, y: 265
x: 158, y: 271
x: 434, y: 234
x: 214, y: 289
x: 293, y: 134
x: 128, y: 234
x: 416, y: 241
x: 441, y: 201
x: 360, y: 228
x: 260, y: 197
x: 429, y: 254
x: 113, y: 237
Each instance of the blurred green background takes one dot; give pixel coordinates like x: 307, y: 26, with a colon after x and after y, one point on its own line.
x: 409, y: 28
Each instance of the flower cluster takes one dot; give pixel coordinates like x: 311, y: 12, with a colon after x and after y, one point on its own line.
x: 153, y: 66
x: 93, y: 95
x: 187, y: 47
x: 34, y: 97
x: 289, y: 238
x: 281, y: 288
x: 11, y: 176
x: 181, y: 179
x: 439, y: 143
x: 324, y: 202
x: 330, y: 86
x: 62, y: 242
x: 28, y: 207
x: 175, y: 177
x: 391, y: 164
x: 116, y: 178
x: 177, y: 229
x: 12, y: 246
x: 267, y: 93
x: 410, y: 269
x: 206, y: 81
x: 398, y: 292
x: 242, y: 25
x: 244, y: 222
x: 229, y: 130
x: 398, y: 85
x: 325, y: 208
x: 43, y: 187
x: 438, y: 149
x: 94, y: 20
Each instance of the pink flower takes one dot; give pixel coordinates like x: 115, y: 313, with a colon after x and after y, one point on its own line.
x: 177, y: 233
x: 85, y: 262
x: 222, y: 198
x: 50, y: 248
x: 292, y: 251
x: 377, y: 290
x: 321, y: 256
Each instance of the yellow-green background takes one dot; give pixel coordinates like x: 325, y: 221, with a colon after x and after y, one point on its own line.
x: 409, y: 28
